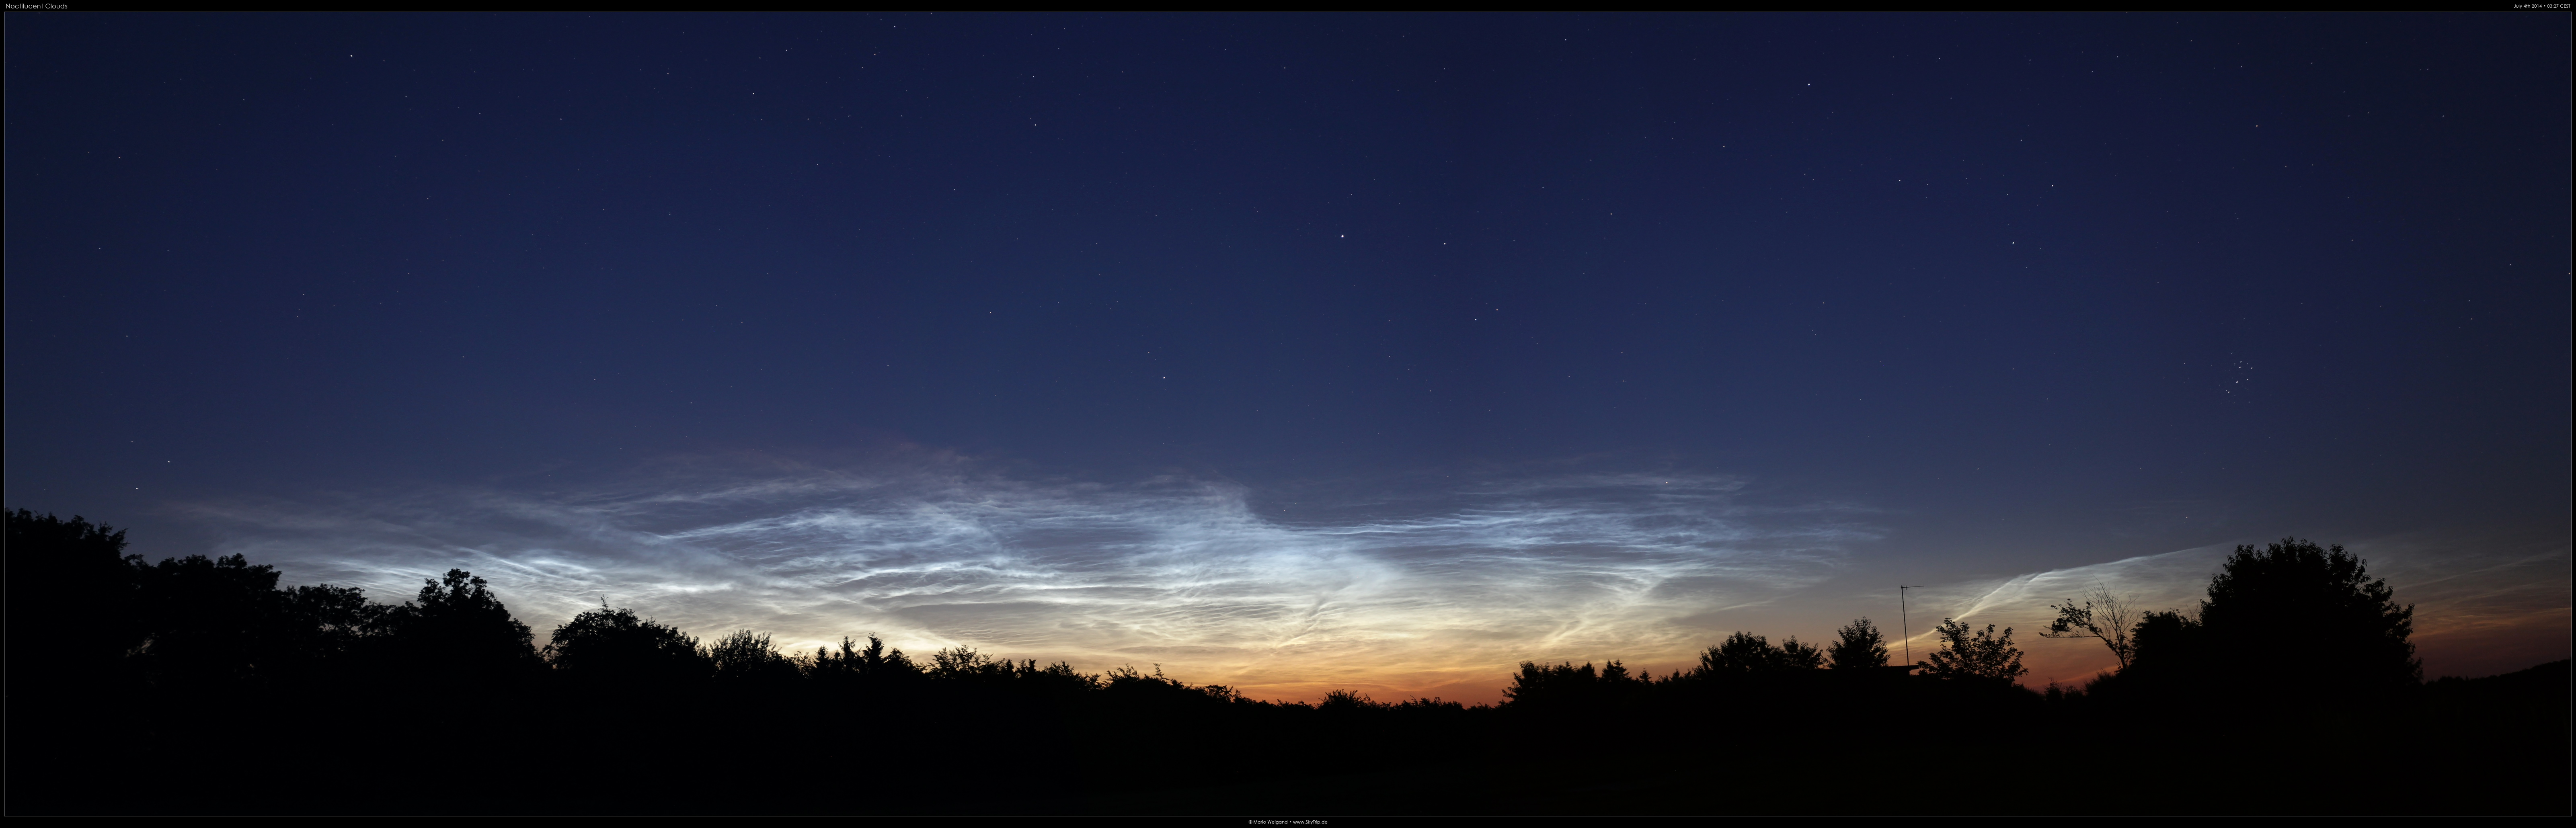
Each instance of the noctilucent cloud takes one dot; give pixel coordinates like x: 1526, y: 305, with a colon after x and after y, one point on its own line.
x: 1307, y: 352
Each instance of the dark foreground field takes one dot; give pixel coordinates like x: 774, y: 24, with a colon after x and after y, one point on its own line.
x: 1143, y: 746
x: 2497, y: 745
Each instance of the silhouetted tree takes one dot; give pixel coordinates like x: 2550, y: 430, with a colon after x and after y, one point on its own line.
x: 2165, y: 647
x: 963, y: 663
x: 1345, y: 701
x: 70, y: 595
x: 456, y: 630
x: 191, y: 621
x: 1977, y: 655
x: 211, y: 620
x: 1539, y: 684
x: 323, y: 632
x: 748, y: 656
x: 333, y: 621
x: 851, y: 662
x: 613, y: 645
x: 1060, y: 677
x: 1434, y: 703
x: 72, y: 619
x: 1133, y: 684
x: 1613, y: 672
x: 2348, y: 632
x: 1796, y: 656
x: 1746, y: 653
x: 1859, y: 646
x: 1563, y: 685
x: 2103, y: 615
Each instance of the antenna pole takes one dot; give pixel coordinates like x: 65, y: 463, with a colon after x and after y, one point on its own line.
x: 1905, y: 624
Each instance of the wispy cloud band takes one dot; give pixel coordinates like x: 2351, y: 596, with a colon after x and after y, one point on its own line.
x: 1393, y: 593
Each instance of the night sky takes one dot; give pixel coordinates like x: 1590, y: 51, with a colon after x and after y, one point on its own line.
x: 1298, y: 352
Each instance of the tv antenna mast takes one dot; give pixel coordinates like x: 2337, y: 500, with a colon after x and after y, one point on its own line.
x: 1904, y: 624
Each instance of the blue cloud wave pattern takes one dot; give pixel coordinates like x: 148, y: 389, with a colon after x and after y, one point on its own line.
x: 1210, y: 579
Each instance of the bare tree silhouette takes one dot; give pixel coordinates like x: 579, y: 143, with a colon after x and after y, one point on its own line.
x: 2103, y: 615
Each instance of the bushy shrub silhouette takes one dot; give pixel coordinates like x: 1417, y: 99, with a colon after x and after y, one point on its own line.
x: 1968, y: 654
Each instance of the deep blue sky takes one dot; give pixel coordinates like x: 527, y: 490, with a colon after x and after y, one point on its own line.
x: 2032, y: 291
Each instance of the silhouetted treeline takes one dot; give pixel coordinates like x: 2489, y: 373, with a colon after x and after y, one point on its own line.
x: 196, y: 685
